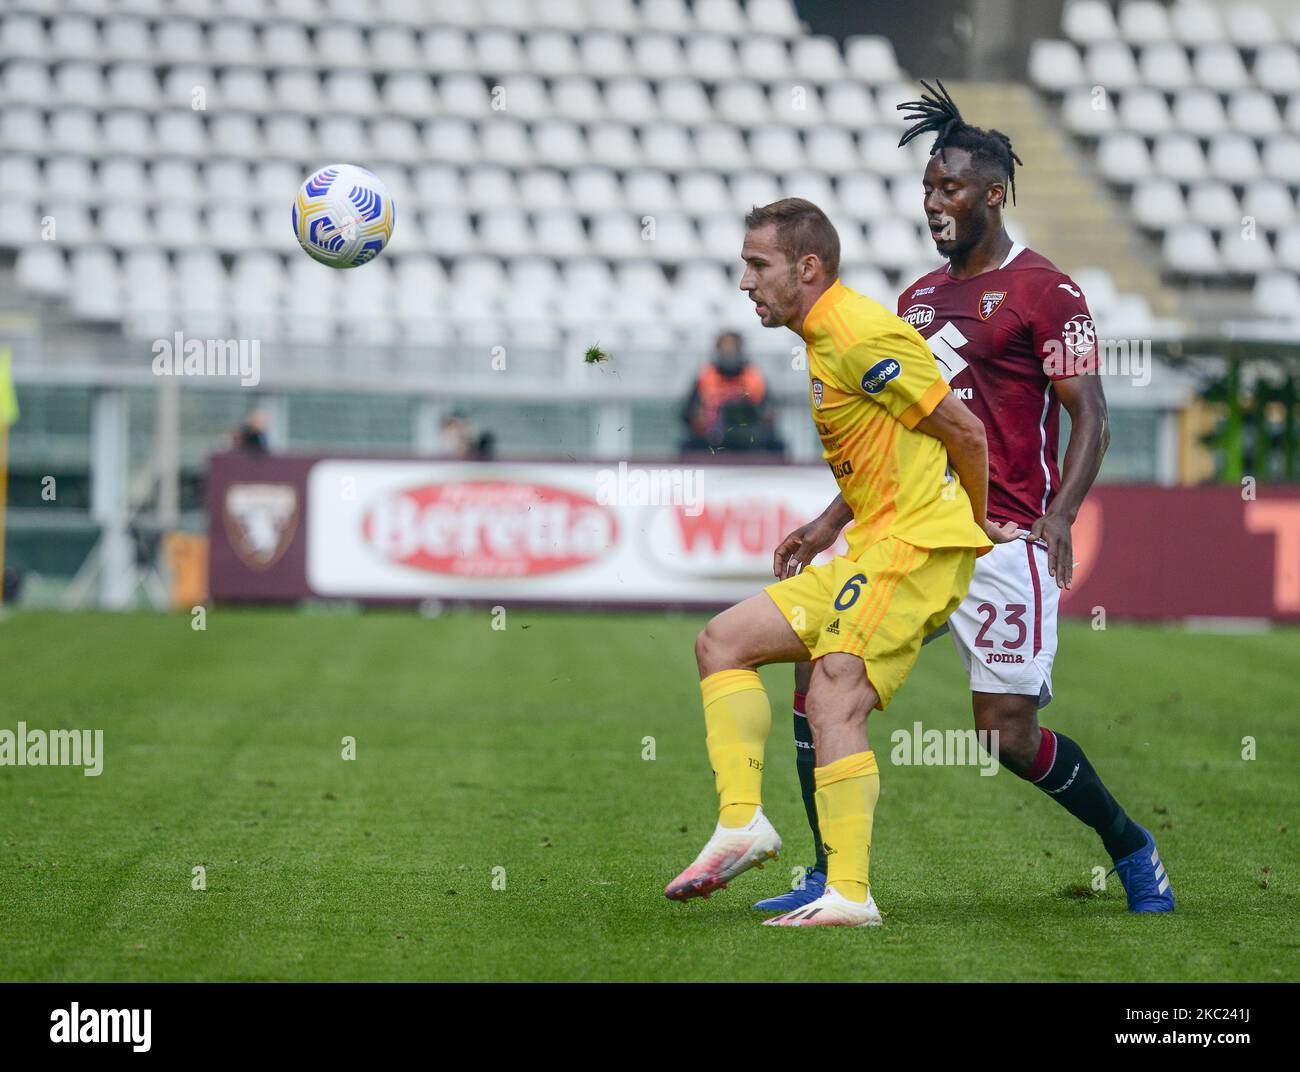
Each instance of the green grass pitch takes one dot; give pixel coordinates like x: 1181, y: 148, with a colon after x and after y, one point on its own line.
x: 522, y: 749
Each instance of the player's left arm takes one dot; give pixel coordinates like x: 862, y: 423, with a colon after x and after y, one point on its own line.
x: 1065, y: 336
x: 1085, y: 402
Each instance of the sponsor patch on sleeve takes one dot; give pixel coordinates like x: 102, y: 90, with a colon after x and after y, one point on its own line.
x: 875, y: 378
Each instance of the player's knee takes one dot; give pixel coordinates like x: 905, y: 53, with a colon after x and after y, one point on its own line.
x: 839, y: 695
x: 711, y: 648
x: 1012, y: 734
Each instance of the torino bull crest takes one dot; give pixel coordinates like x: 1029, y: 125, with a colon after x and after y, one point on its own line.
x: 343, y: 216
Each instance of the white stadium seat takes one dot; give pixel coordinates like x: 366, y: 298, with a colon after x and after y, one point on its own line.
x: 1269, y: 203
x: 704, y: 193
x: 409, y: 93
x: 1111, y: 64
x: 1055, y: 65
x: 124, y: 179
x: 71, y: 37
x: 1288, y: 250
x: 40, y: 268
x: 20, y: 177
x: 1087, y: 21
x: 1158, y: 204
x: 1250, y: 25
x: 1234, y: 158
x: 1246, y: 254
x: 849, y: 104
x: 1282, y: 158
x: 1219, y: 66
x: 1123, y: 158
x: 1179, y: 156
x: 773, y: 16
x: 1196, y: 22
x: 1214, y: 204
x: 753, y: 188
x: 1277, y: 68
x: 862, y: 196
x: 288, y: 44
x: 562, y: 233
x: 95, y: 290
x: 1143, y: 22
x: 553, y: 54
x: 1090, y: 115
x: 233, y: 42
x: 684, y: 101
x: 1200, y: 112
x: 524, y: 96
x: 21, y: 222
x: 630, y: 100
x: 1254, y: 112
x: 817, y: 59
x: 710, y: 58
x: 650, y: 191
x: 179, y: 226
x: 181, y: 41
x: 597, y: 190
x: 559, y: 143
x: 743, y: 103
x: 578, y: 98
x: 1276, y: 295
x: 765, y: 59
x: 27, y: 82
x: 68, y: 177
x: 872, y: 60
x: 1190, y: 250
x: 613, y: 145
x: 655, y: 56
x: 1165, y: 65
x: 1145, y: 111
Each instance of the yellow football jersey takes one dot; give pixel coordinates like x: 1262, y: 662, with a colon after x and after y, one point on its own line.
x: 873, y: 379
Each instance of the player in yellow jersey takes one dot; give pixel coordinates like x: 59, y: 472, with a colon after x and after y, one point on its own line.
x: 912, y: 466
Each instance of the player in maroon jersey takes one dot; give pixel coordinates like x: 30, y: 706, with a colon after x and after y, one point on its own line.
x: 1013, y: 336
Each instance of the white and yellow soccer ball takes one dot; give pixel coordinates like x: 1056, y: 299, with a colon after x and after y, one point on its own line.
x: 343, y: 216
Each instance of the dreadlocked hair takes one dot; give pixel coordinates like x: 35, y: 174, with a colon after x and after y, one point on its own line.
x: 937, y: 113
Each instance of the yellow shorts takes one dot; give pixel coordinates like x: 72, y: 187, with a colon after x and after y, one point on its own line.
x: 879, y: 606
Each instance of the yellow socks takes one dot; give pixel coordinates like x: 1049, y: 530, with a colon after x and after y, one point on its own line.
x: 847, y: 791
x: 738, y: 719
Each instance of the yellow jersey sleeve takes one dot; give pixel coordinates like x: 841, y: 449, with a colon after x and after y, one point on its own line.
x: 897, y: 370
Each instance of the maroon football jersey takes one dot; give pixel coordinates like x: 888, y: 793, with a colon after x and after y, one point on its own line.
x: 1000, y: 339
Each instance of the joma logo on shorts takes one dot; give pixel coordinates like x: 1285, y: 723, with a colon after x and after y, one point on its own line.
x: 1002, y: 657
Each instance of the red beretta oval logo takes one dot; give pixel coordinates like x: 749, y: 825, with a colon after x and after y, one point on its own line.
x: 489, y: 528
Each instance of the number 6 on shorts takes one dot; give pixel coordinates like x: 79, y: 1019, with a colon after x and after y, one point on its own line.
x: 853, y: 584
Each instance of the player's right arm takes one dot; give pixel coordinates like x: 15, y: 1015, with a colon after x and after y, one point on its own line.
x: 897, y: 368
x: 962, y: 435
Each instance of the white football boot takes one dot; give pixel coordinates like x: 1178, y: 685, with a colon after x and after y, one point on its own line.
x: 831, y: 909
x: 731, y: 851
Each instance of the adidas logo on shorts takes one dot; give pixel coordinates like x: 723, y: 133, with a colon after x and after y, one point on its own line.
x: 834, y: 627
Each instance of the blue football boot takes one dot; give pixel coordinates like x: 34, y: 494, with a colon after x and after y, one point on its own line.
x: 814, y: 885
x: 1144, y: 878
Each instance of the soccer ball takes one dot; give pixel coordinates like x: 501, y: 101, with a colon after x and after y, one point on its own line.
x: 343, y: 216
